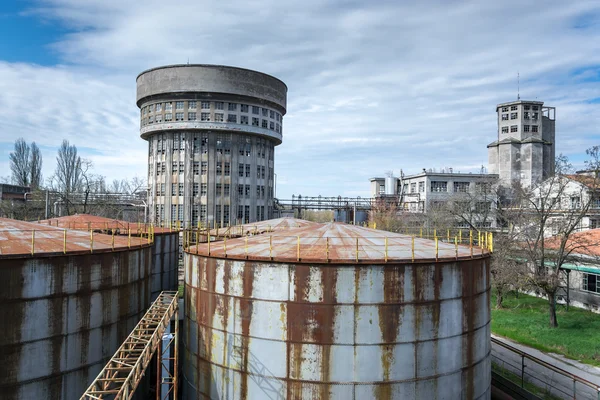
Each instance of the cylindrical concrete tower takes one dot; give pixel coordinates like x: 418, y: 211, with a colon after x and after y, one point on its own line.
x: 211, y: 132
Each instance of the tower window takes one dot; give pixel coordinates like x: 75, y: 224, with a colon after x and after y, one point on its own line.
x: 191, y: 116
x: 218, y: 105
x: 204, y: 116
x: 514, y: 115
x: 232, y: 118
x: 192, y: 105
x: 504, y: 117
x: 513, y: 108
x: 534, y: 128
x: 232, y: 106
x: 525, y: 128
x: 505, y: 129
x: 504, y: 109
x: 514, y: 128
x: 179, y: 105
x: 218, y: 117
x: 205, y: 105
x: 244, y: 107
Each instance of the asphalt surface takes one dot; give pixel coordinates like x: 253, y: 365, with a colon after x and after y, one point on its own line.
x: 555, y: 383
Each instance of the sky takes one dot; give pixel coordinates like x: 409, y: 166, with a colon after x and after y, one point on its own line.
x: 373, y: 86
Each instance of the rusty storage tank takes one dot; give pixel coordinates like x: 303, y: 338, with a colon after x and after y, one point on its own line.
x: 65, y: 306
x: 165, y: 249
x: 336, y: 311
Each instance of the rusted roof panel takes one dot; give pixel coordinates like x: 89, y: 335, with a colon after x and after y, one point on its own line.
x: 25, y: 238
x: 271, y: 225
x: 337, y: 242
x: 87, y: 222
x: 585, y: 242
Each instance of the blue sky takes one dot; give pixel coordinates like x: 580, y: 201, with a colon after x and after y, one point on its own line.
x: 373, y: 86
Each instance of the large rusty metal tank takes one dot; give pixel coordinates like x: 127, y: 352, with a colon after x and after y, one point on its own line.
x: 336, y: 312
x: 68, y: 298
x: 165, y: 249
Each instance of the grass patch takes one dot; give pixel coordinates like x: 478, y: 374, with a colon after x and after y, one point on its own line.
x: 525, y: 320
x: 180, y: 291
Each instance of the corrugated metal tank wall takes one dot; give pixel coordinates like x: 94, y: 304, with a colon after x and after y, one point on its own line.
x: 266, y: 330
x: 64, y: 316
x: 165, y: 264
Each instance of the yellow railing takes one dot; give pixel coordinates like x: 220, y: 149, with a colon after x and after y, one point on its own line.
x: 42, y: 238
x: 326, y: 248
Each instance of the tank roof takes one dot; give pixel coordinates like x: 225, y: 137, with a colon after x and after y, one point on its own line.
x: 270, y: 225
x: 338, y: 243
x: 87, y: 222
x: 19, y: 238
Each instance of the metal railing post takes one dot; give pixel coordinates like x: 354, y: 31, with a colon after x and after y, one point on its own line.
x: 33, y: 242
x: 386, y: 249
x: 522, y: 371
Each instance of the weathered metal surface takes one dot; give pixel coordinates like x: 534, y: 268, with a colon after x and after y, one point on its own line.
x: 288, y: 330
x: 271, y: 225
x: 63, y: 315
x: 87, y: 222
x: 337, y: 242
x: 165, y: 249
x: 25, y: 238
x: 165, y: 263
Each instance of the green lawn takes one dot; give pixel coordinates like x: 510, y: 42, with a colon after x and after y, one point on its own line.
x: 525, y: 320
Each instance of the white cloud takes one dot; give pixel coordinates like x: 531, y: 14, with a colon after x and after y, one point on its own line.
x: 373, y: 86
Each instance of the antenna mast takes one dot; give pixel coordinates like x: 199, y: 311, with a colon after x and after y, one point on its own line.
x: 518, y: 87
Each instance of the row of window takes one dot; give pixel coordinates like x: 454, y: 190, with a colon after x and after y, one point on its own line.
x: 201, y: 189
x: 515, y: 128
x: 201, y: 168
x: 200, y: 144
x: 217, y: 117
x: 442, y: 186
x: 526, y: 115
x: 199, y: 213
x: 205, y: 105
x: 515, y: 108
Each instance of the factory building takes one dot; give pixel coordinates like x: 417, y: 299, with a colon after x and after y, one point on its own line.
x: 524, y: 150
x: 472, y: 198
x: 211, y: 132
x: 68, y: 298
x: 165, y: 244
x: 335, y: 311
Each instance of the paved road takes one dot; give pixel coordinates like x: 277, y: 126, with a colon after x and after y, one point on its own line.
x: 558, y: 385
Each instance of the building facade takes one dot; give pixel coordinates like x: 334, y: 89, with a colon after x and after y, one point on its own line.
x: 211, y: 132
x: 525, y: 147
x: 471, y: 198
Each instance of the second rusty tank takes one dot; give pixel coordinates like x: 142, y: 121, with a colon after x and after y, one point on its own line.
x: 336, y: 312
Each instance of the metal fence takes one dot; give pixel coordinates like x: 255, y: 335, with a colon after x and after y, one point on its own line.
x: 539, y: 377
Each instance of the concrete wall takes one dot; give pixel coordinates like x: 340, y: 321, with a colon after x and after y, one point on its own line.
x: 258, y: 330
x: 211, y: 79
x: 64, y: 317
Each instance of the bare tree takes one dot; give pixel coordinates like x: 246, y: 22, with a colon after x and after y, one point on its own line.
x: 555, y: 207
x: 19, y: 163
x: 35, y: 166
x: 26, y: 164
x: 67, y: 176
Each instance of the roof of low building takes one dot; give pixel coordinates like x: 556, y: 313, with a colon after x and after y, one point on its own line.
x: 579, y: 243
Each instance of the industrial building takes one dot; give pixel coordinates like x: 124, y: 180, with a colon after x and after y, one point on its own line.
x: 67, y: 300
x: 165, y: 244
x: 471, y: 198
x: 336, y: 311
x: 524, y: 150
x: 211, y: 132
